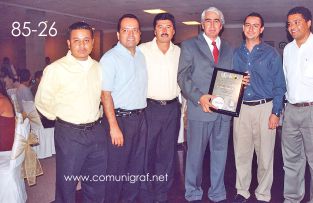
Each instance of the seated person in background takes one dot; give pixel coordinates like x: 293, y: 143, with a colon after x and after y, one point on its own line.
x: 7, y: 120
x: 8, y: 67
x: 38, y: 75
x: 9, y: 81
x: 23, y: 91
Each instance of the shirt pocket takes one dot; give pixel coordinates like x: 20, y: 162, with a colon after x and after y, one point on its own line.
x: 308, y: 67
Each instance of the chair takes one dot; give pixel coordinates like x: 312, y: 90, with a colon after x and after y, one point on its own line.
x: 12, y: 95
x: 11, y: 91
x: 12, y: 186
x: 45, y: 136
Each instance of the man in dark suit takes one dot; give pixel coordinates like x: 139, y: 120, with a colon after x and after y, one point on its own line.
x: 198, y: 57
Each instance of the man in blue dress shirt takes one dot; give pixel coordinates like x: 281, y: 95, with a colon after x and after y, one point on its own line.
x: 124, y: 93
x: 255, y: 128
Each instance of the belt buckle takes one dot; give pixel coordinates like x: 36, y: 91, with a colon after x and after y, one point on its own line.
x: 163, y: 103
x: 89, y: 126
x: 262, y: 101
x: 122, y: 114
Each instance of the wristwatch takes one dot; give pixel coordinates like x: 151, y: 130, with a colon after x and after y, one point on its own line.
x: 277, y: 114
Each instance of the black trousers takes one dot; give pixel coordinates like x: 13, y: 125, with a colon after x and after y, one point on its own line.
x: 80, y: 153
x: 163, y: 129
x: 128, y: 160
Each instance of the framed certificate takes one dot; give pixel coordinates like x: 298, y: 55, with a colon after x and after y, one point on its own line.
x: 227, y: 86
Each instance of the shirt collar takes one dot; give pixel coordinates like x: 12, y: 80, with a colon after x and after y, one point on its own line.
x: 69, y: 55
x: 259, y: 46
x: 84, y: 66
x: 209, y: 41
x: 155, y: 46
x: 308, y: 41
x: 124, y: 50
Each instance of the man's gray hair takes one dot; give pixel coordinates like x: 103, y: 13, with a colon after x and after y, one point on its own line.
x: 215, y: 10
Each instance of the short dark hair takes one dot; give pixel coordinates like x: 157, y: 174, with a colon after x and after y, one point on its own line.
x: 255, y: 14
x: 79, y: 26
x: 164, y: 16
x: 3, y: 90
x: 5, y: 72
x: 38, y: 74
x: 24, y: 75
x: 128, y: 15
x: 6, y: 60
x: 305, y: 12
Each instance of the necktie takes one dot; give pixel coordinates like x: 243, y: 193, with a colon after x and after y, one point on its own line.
x: 215, y: 52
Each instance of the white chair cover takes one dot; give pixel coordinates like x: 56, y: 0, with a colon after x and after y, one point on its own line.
x: 11, y: 91
x: 12, y: 186
x: 45, y: 136
x: 12, y: 95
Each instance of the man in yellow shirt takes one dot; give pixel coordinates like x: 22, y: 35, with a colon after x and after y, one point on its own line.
x: 69, y: 92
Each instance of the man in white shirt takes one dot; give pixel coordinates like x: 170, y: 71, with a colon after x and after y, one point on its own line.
x: 163, y: 108
x: 297, y: 132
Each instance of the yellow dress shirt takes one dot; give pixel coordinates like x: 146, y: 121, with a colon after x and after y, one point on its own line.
x: 162, y: 70
x: 70, y: 90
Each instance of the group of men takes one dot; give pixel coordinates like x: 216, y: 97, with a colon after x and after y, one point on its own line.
x: 138, y: 88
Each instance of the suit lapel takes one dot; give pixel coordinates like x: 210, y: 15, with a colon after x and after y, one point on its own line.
x: 222, y: 48
x: 204, y: 47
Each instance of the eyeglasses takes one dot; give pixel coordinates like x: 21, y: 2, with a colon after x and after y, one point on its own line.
x: 130, y: 30
x: 253, y: 26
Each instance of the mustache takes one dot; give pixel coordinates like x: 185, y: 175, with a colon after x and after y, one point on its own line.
x: 164, y: 34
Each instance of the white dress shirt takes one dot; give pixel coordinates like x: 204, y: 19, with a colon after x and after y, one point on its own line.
x: 298, y: 70
x: 209, y: 41
x: 162, y: 70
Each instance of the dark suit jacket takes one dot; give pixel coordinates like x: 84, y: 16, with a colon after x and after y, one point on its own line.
x: 195, y: 71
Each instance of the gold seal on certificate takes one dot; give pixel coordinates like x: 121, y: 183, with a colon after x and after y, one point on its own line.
x: 227, y: 87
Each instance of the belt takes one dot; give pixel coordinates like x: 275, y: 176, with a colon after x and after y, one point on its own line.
x: 162, y: 102
x: 126, y: 113
x: 256, y: 102
x: 303, y: 104
x: 84, y: 126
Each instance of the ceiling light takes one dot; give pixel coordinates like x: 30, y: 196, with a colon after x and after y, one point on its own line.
x: 154, y: 11
x: 191, y: 23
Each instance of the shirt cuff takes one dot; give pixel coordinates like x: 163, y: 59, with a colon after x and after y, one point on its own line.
x: 276, y: 114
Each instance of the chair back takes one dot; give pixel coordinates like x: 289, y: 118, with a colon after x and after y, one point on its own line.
x: 22, y: 130
x: 32, y: 115
x: 12, y: 186
x: 13, y: 97
x: 11, y: 91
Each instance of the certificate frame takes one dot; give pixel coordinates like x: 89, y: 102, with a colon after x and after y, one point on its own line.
x: 227, y: 86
